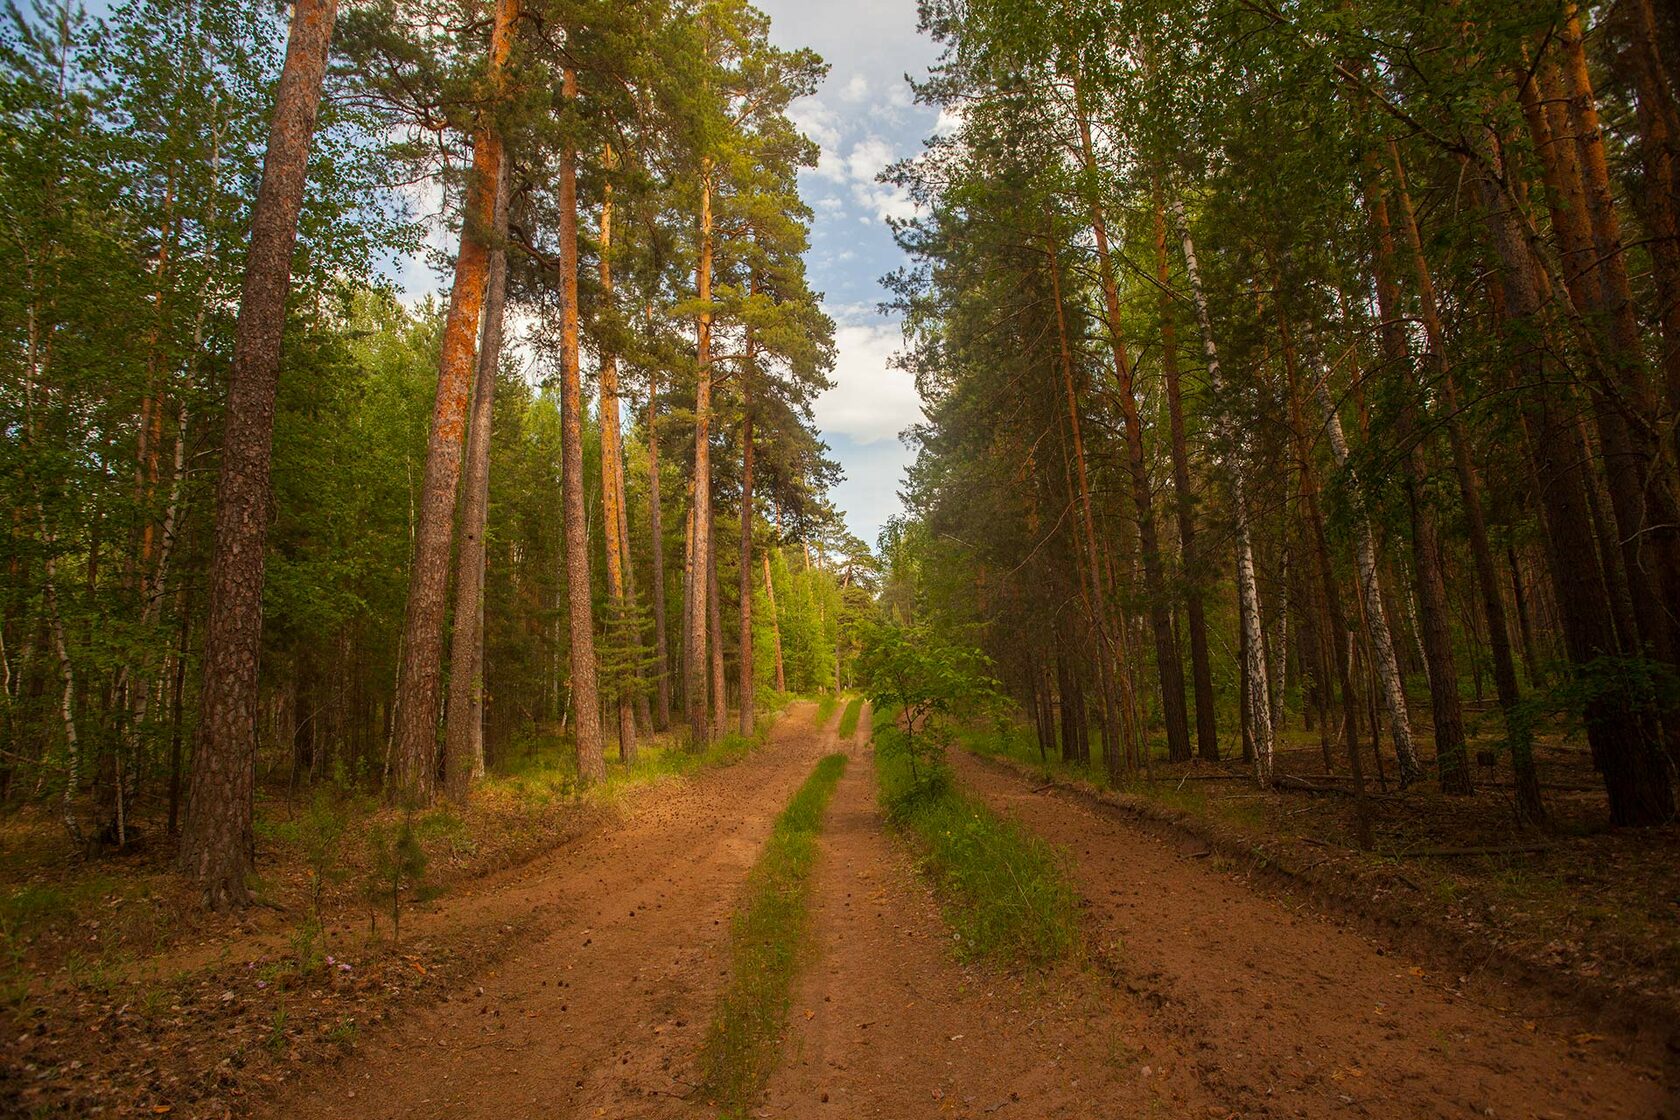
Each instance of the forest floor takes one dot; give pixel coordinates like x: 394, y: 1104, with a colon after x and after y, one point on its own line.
x: 1589, y: 911
x: 1207, y: 987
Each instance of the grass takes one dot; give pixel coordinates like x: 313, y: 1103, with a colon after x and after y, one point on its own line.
x: 765, y: 939
x: 849, y: 717
x: 1006, y: 893
x: 826, y: 703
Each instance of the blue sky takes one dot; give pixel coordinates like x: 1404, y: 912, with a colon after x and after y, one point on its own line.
x: 864, y: 118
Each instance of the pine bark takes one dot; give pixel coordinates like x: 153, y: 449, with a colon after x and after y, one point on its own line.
x: 612, y: 483
x: 586, y: 695
x: 699, y: 726
x: 414, y: 742
x: 745, y: 673
x: 656, y: 547
x: 775, y: 625
x: 463, y: 721
x: 1635, y: 772
x: 217, y: 839
x: 1169, y: 668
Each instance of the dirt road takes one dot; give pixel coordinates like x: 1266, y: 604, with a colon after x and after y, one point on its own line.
x: 1285, y: 1012
x: 1203, y: 997
x: 600, y: 1014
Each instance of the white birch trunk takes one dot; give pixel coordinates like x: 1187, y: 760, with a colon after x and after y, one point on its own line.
x: 1248, y: 591
x: 1370, y: 589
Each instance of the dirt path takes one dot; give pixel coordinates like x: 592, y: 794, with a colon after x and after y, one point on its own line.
x: 886, y: 1023
x: 1288, y: 1013
x: 602, y: 1011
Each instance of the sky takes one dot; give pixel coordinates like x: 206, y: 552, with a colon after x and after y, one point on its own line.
x: 864, y: 118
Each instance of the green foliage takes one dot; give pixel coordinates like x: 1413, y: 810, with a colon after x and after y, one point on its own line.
x: 1006, y: 893
x: 918, y: 673
x: 766, y: 939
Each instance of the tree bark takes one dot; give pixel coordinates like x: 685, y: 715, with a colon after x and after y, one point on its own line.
x: 414, y: 762
x: 591, y: 763
x: 745, y: 673
x: 656, y: 531
x: 1635, y: 772
x: 1256, y: 691
x: 1385, y: 664
x: 775, y: 625
x: 612, y: 485
x: 1169, y: 669
x: 463, y: 721
x: 216, y: 835
x: 699, y: 726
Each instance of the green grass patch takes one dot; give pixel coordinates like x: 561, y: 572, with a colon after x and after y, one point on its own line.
x: 1006, y: 892
x: 765, y: 940
x: 849, y: 718
x: 826, y: 703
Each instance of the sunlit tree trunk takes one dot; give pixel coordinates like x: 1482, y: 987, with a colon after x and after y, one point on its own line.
x: 656, y: 546
x: 612, y: 482
x: 699, y: 726
x: 775, y: 625
x: 414, y: 738
x: 463, y: 723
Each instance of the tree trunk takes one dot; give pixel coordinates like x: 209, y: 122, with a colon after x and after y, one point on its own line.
x: 714, y: 622
x: 1635, y: 773
x: 775, y: 625
x: 1452, y: 763
x: 415, y: 709
x: 216, y: 835
x: 463, y: 722
x: 612, y: 490
x: 699, y: 727
x: 1169, y: 669
x: 591, y: 763
x: 1090, y: 585
x: 1256, y: 692
x: 1384, y: 663
x: 747, y: 698
x: 1190, y: 561
x: 656, y: 531
x: 1529, y: 805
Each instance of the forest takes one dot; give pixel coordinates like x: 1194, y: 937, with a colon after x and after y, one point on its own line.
x: 430, y: 623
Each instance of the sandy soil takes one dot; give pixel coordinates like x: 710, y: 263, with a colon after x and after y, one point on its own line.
x: 1286, y: 1012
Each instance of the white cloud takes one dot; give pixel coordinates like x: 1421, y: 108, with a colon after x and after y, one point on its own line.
x: 871, y: 401
x: 816, y: 120
x: 869, y: 158
x: 949, y: 122
x: 856, y: 89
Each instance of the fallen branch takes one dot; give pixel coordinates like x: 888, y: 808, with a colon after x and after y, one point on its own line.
x: 1488, y: 850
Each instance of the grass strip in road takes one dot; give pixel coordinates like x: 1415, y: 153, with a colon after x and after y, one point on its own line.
x: 768, y: 930
x: 826, y: 703
x: 849, y: 718
x: 1005, y: 892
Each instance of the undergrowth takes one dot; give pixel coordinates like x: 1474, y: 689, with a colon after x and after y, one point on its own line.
x: 1005, y: 892
x: 849, y: 717
x: 766, y: 935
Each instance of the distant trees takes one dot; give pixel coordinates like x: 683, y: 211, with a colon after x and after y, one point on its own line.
x: 1424, y: 392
